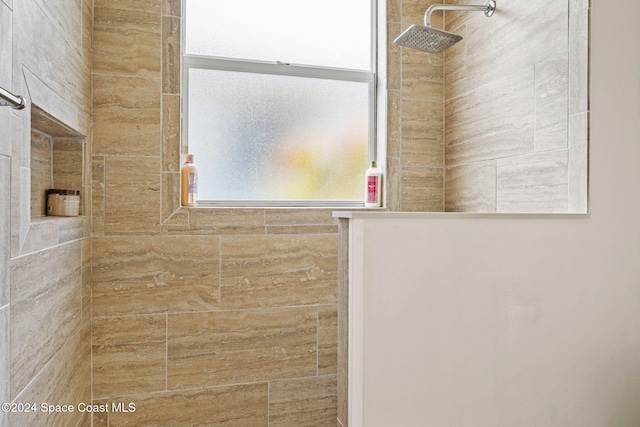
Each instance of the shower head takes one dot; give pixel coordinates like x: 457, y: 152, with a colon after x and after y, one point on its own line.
x: 429, y: 39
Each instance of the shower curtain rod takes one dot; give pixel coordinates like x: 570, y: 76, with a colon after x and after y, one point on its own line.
x: 7, y: 99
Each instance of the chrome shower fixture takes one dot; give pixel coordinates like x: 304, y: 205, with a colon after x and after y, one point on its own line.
x: 429, y: 39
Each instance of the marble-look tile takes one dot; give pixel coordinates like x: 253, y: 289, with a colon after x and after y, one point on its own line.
x: 6, y: 131
x: 233, y: 406
x: 171, y: 198
x: 343, y: 323
x: 309, y: 402
x: 301, y: 229
x: 171, y: 7
x: 66, y: 17
x: 71, y: 228
x: 299, y: 217
x: 67, y: 165
x: 85, y: 314
x: 471, y: 188
x: 579, y: 62
x: 422, y: 133
x: 422, y: 75
x: 5, y: 227
x: 171, y: 133
x: 394, y: 10
x: 393, y: 184
x: 413, y: 12
x: 394, y: 57
x: 578, y: 162
x: 132, y: 195
x: 300, y: 221
x: 171, y: 54
x: 53, y: 127
x: 129, y: 355
x: 394, y: 124
x: 144, y: 275
x: 97, y: 194
x: 493, y: 121
x: 5, y: 361
x: 533, y: 183
x: 43, y: 233
x: 422, y: 189
x: 6, y: 50
x: 65, y: 380
x: 529, y: 33
x: 327, y: 340
x: 41, y: 172
x: 87, y: 33
x: 227, y: 221
x: 151, y: 6
x: 46, y: 292
x: 576, y: 6
x: 126, y: 116
x: 232, y: 347
x: 552, y: 91
x: 57, y: 80
x: 126, y: 42
x: 456, y: 78
x: 278, y: 270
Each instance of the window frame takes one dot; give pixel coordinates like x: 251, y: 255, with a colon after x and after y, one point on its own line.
x: 372, y: 77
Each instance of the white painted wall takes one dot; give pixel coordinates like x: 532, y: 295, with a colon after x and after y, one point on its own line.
x: 473, y: 320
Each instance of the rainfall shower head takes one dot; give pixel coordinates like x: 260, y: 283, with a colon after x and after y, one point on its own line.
x: 429, y: 39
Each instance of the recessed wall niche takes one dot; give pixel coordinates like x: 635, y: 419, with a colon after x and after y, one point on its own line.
x: 57, y: 159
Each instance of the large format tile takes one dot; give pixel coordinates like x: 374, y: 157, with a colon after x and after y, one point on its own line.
x: 308, y: 402
x: 126, y: 42
x: 171, y: 55
x: 129, y: 355
x: 66, y: 380
x: 493, y: 121
x: 5, y: 227
x: 227, y: 221
x: 422, y: 133
x: 534, y: 183
x: 41, y: 167
x: 67, y: 164
x: 233, y: 406
x: 422, y: 189
x: 132, y: 195
x: 471, y: 188
x: 232, y: 347
x: 141, y: 275
x: 519, y: 35
x: 126, y: 115
x: 552, y: 92
x: 5, y: 362
x: 278, y: 270
x: 46, y: 293
x: 327, y: 340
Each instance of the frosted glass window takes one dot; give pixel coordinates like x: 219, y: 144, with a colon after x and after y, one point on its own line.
x: 279, y: 100
x: 328, y: 33
x: 262, y: 137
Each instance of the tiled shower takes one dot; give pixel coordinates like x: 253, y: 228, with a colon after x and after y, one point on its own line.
x: 226, y: 316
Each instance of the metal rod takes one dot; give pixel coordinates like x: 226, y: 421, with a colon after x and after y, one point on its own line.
x: 7, y: 99
x: 488, y: 10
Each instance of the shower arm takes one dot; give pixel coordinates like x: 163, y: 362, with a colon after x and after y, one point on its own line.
x: 7, y: 99
x: 488, y: 9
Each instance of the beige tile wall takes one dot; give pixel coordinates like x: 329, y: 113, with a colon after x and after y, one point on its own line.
x: 415, y: 132
x: 516, y: 108
x: 209, y: 316
x: 45, y: 291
